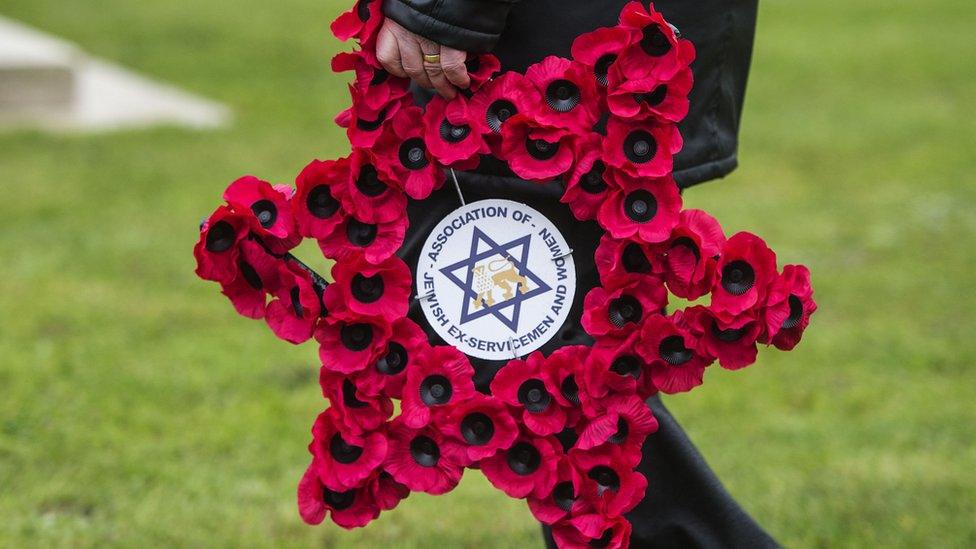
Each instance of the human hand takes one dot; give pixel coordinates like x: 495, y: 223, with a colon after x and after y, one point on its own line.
x: 407, y: 55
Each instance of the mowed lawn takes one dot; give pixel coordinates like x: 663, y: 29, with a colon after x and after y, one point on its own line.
x: 137, y: 409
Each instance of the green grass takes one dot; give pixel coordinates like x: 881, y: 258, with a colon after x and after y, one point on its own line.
x: 136, y: 408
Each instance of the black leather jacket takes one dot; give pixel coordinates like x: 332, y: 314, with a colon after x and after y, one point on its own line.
x: 521, y: 33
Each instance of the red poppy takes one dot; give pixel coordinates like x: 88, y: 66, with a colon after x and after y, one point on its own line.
x: 615, y: 366
x: 318, y: 213
x: 600, y: 48
x: 563, y: 370
x: 349, y: 343
x: 588, y: 183
x: 271, y: 217
x: 528, y: 467
x: 789, y: 307
x: 500, y: 99
x: 367, y: 192
x: 423, y: 459
x: 481, y: 425
x: 625, y: 422
x: 386, y: 491
x: 671, y: 349
x: 363, y: 123
x: 644, y: 208
x: 745, y: 270
x: 619, y: 260
x: 353, y: 508
x: 619, y: 311
x: 524, y: 386
x: 733, y: 343
x: 564, y: 499
x: 535, y: 151
x: 593, y: 530
x: 481, y: 68
x: 381, y: 290
x: 665, y: 101
x: 441, y: 377
x: 357, y: 411
x: 644, y: 148
x: 257, y: 276
x: 692, y: 254
x: 377, y: 87
x: 218, y: 250
x: 345, y: 458
x: 388, y: 371
x: 450, y: 134
x: 402, y: 156
x: 658, y: 52
x: 361, y: 22
x: 375, y: 241
x: 569, y: 93
x: 294, y: 312
x: 609, y: 480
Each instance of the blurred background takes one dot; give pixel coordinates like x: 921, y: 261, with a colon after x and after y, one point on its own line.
x: 137, y: 408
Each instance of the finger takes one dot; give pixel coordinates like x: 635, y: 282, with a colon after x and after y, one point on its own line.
x: 439, y: 80
x: 388, y: 53
x: 412, y: 60
x: 452, y: 63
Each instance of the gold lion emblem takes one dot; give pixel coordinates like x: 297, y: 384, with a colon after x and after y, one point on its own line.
x: 500, y: 273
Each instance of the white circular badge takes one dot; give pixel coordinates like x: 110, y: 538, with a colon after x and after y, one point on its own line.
x: 496, y: 279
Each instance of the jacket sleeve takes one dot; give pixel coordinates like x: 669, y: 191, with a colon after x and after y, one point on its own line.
x: 473, y: 26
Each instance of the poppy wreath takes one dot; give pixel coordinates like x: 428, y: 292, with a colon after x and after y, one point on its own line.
x: 564, y: 431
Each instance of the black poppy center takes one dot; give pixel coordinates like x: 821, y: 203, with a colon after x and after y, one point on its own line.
x: 371, y: 125
x: 730, y: 335
x: 593, y: 181
x: 367, y: 289
x: 640, y: 206
x: 498, y: 112
x: 220, y: 237
x: 605, y: 477
x: 796, y: 313
x: 394, y: 361
x: 635, y: 260
x: 250, y: 275
x: 361, y: 234
x: 688, y: 243
x: 424, y: 451
x: 362, y: 10
x: 369, y: 182
x: 627, y: 365
x: 672, y: 349
x: 564, y: 495
x: 435, y: 390
x: 413, y: 154
x: 624, y: 309
x: 654, y: 42
x: 524, y: 459
x: 349, y: 397
x: 654, y: 97
x: 452, y: 133
x: 473, y: 64
x: 540, y: 149
x: 570, y: 390
x: 266, y: 212
x: 533, y: 395
x: 321, y: 203
x: 342, y: 451
x: 562, y: 95
x: 379, y: 76
x: 604, y: 540
x: 338, y: 500
x: 639, y: 147
x: 623, y: 429
x: 477, y: 429
x: 356, y: 337
x: 602, y: 68
x: 738, y: 277
x: 296, y: 301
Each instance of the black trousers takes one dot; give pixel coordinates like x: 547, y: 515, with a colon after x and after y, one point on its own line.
x: 685, y: 505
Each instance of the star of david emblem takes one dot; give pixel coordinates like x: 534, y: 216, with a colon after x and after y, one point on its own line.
x: 509, y: 272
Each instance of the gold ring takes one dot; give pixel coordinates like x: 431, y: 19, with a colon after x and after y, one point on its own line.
x: 434, y: 58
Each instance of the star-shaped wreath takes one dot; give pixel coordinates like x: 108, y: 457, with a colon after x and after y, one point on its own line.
x: 563, y: 431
